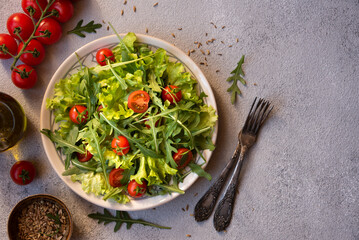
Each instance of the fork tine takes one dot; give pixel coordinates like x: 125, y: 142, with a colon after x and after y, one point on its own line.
x: 262, y: 117
x: 256, y: 115
x: 245, y: 127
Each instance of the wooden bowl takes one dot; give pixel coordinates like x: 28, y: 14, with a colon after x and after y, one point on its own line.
x: 47, y: 201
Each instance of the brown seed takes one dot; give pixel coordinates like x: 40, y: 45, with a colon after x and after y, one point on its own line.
x: 125, y: 2
x: 223, y: 27
x: 206, y: 34
x: 146, y: 30
x: 188, y: 235
x: 155, y: 4
x: 217, y: 71
x: 103, y: 21
x: 122, y: 12
x: 202, y: 63
x: 192, y: 50
x: 188, y: 53
x: 187, y: 207
x: 203, y: 52
x: 205, y: 58
x: 255, y: 84
x: 108, y: 28
x: 173, y: 35
x: 199, y: 45
x: 191, y: 214
x: 180, y: 29
x: 206, y: 64
x: 222, y: 42
x: 230, y: 46
x: 134, y: 8
x: 208, y: 52
x: 195, y: 194
x: 195, y: 42
x: 219, y: 54
x: 183, y: 209
x: 237, y: 40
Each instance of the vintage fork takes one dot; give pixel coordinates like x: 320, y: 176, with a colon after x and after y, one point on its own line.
x: 247, y: 137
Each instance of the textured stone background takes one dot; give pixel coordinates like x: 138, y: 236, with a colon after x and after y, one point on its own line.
x: 300, y: 181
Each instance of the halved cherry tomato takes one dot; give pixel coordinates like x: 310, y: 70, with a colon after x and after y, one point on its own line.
x: 182, y: 157
x: 75, y: 111
x: 27, y: 4
x: 20, y: 23
x: 64, y: 10
x: 103, y: 54
x: 171, y: 93
x: 120, y: 145
x: 10, y: 45
x: 52, y: 26
x: 115, y: 177
x: 22, y: 172
x: 24, y: 76
x: 136, y: 190
x: 138, y: 101
x: 37, y: 55
x: 84, y: 157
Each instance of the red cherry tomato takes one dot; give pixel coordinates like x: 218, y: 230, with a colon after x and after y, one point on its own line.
x: 135, y: 189
x: 84, y: 157
x: 64, y: 10
x: 10, y: 45
x: 103, y: 54
x: 171, y: 93
x: 52, y: 26
x: 120, y: 145
x: 77, y: 110
x: 34, y: 58
x: 27, y: 4
x: 21, y: 23
x: 182, y: 157
x: 138, y: 101
x: 115, y: 177
x: 24, y: 76
x: 22, y: 172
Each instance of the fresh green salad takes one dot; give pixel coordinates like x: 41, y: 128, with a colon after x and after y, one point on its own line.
x: 133, y: 125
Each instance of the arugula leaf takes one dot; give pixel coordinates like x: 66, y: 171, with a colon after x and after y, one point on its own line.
x: 89, y: 28
x: 120, y: 218
x: 238, y: 75
x: 199, y: 171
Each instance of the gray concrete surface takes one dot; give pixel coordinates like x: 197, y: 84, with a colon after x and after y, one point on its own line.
x: 301, y: 179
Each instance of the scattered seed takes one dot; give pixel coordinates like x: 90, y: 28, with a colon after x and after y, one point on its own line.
x: 183, y: 209
x: 122, y: 12
x: 154, y: 208
x: 108, y: 28
x: 103, y: 21
x: 205, y: 58
x: 173, y: 35
x: 237, y: 40
x: 195, y: 42
x: 202, y: 63
x: 255, y: 84
x: 223, y: 27
x: 230, y: 46
x: 146, y: 30
x: 192, y: 51
x: 154, y: 5
x: 188, y: 53
x: 187, y: 207
x: 206, y: 34
x: 217, y: 71
x: 191, y: 214
x: 208, y: 52
x: 195, y: 194
x: 180, y: 29
x: 222, y: 42
x: 207, y: 42
x: 125, y: 2
x: 203, y: 52
x: 219, y: 54
x: 199, y: 45
x: 134, y: 8
x: 206, y: 64
x: 188, y: 235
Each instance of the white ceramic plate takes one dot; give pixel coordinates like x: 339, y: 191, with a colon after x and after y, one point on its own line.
x: 87, y: 54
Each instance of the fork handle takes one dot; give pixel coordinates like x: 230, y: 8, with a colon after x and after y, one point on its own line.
x: 205, y: 205
x: 224, y: 210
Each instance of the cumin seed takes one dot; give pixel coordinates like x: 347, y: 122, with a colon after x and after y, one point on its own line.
x: 146, y: 30
x: 191, y: 214
x: 122, y: 12
x: 173, y: 35
x: 237, y: 40
x: 230, y: 46
x: 180, y: 29
x: 203, y: 52
x: 108, y: 28
x: 195, y: 42
x: 199, y: 45
x: 206, y: 34
x: 134, y: 8
x: 187, y: 207
x: 217, y: 71
x: 183, y: 209
x: 223, y: 27
x: 195, y: 195
x: 222, y: 42
x: 219, y: 54
x: 125, y: 2
x: 188, y: 235
x: 202, y: 63
x: 255, y: 84
x: 154, y: 5
x: 188, y: 53
x: 208, y: 52
x: 192, y: 51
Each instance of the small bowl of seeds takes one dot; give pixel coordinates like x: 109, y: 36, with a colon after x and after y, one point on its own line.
x: 40, y: 216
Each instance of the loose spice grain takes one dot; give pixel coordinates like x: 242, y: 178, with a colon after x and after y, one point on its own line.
x: 122, y: 12
x: 125, y: 2
x: 156, y: 4
x: 134, y: 8
x: 173, y: 35
x: 146, y: 30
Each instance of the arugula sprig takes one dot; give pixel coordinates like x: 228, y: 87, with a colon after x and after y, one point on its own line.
x: 89, y: 28
x: 238, y: 75
x: 120, y: 218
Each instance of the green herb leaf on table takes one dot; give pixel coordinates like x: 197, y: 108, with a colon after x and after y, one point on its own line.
x: 89, y: 28
x: 237, y: 75
x: 120, y: 218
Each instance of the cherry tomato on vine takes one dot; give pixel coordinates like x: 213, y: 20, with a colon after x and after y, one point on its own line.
x: 20, y: 23
x: 135, y: 189
x: 24, y: 76
x: 84, y: 157
x: 115, y: 177
x: 53, y: 27
x: 28, y: 4
x: 182, y: 157
x: 76, y: 114
x: 171, y: 93
x: 22, y: 172
x: 64, y: 10
x: 120, y: 145
x: 37, y: 55
x: 138, y: 101
x: 10, y: 45
x: 103, y: 54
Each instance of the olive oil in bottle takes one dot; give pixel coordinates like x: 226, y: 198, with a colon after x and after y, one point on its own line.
x: 12, y: 122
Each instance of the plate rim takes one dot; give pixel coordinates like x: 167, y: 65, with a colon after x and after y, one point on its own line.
x: 49, y: 147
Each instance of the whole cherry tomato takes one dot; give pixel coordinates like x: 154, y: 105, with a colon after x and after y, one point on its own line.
x: 135, y: 189
x: 53, y: 27
x: 31, y: 4
x: 103, y: 54
x: 37, y: 55
x: 22, y: 172
x: 77, y: 110
x: 182, y: 157
x: 20, y: 23
x: 120, y: 145
x: 138, y: 101
x: 9, y: 43
x: 84, y: 157
x: 64, y: 10
x: 115, y: 177
x: 24, y: 76
x: 171, y: 93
